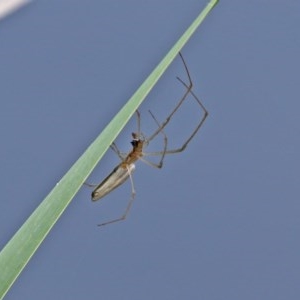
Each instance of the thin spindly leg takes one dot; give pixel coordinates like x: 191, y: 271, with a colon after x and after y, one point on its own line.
x: 180, y: 149
x: 138, y: 119
x: 114, y: 148
x: 91, y: 185
x: 188, y: 91
x: 198, y: 126
x: 162, y: 153
x: 123, y: 217
x: 189, y: 87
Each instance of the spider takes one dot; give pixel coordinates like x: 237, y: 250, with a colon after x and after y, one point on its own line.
x: 124, y: 170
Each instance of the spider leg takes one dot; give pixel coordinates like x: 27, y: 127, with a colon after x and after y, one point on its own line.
x: 124, y: 215
x: 162, y: 153
x: 180, y: 149
x: 188, y: 91
x: 138, y: 118
x: 189, y: 87
x: 114, y: 148
x: 91, y: 185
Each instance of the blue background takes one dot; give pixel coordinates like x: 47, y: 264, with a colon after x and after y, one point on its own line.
x: 219, y: 221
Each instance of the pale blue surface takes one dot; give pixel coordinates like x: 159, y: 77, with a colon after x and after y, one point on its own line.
x: 221, y: 220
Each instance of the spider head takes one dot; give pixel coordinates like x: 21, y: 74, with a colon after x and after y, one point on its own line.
x: 138, y: 140
x: 135, y: 139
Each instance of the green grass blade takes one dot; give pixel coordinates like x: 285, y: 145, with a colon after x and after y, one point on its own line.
x: 18, y: 251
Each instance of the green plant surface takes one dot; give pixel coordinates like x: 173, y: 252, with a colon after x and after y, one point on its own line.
x: 18, y: 251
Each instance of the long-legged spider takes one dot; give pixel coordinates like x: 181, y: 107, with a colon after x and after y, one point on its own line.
x: 124, y: 170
